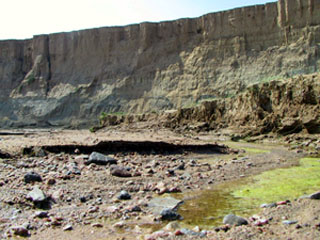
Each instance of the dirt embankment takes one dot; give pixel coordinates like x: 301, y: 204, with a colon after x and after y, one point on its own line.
x: 282, y: 107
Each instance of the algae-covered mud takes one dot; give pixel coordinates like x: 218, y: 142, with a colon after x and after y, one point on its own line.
x: 243, y: 197
x: 283, y: 183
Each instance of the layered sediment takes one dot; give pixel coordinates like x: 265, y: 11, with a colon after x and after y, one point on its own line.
x: 70, y: 78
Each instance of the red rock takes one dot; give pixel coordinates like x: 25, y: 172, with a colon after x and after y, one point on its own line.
x: 178, y: 233
x: 282, y: 203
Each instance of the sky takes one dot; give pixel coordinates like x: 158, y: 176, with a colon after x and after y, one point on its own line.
x: 20, y: 19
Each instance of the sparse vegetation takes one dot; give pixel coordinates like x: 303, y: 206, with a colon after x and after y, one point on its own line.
x: 31, y: 78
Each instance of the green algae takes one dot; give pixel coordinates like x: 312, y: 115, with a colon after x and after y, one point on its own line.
x: 255, y: 150
x: 244, y: 197
x: 285, y: 183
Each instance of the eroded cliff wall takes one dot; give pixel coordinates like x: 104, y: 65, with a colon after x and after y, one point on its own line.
x: 70, y: 78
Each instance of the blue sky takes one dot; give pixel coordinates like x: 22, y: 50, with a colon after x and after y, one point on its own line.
x: 24, y: 18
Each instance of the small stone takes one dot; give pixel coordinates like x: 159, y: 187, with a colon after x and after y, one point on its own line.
x: 157, y: 235
x: 282, y: 203
x: 51, y: 181
x: 178, y: 233
x: 120, y: 171
x: 97, y: 225
x: 181, y: 167
x: 100, y: 159
x: 315, y: 195
x: 37, y: 195
x: 135, y: 208
x: 20, y: 231
x: 193, y: 233
x: 172, y: 226
x: 232, y: 219
x: 170, y: 215
x: 120, y: 224
x: 268, y: 205
x: 32, y: 177
x: 289, y: 222
x: 124, y: 195
x: 68, y: 227
x: 41, y: 214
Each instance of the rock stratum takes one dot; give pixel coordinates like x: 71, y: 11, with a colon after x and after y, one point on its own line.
x: 68, y: 79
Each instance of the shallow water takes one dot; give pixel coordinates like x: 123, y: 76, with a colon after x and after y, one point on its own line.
x: 244, y: 197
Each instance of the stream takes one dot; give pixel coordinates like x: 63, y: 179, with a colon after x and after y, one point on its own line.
x: 243, y: 197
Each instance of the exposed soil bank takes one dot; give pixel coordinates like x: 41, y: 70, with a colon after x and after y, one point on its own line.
x: 282, y: 107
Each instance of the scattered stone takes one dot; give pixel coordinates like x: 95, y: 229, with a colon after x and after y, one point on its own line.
x: 178, y: 233
x: 188, y: 232
x: 120, y: 224
x: 268, y: 205
x: 20, y: 231
x: 232, y: 219
x: 134, y: 208
x: 283, y: 203
x: 100, y: 159
x: 51, y: 181
x: 157, y: 235
x: 315, y: 195
x: 181, y: 166
x: 172, y: 226
x: 68, y: 227
x: 289, y: 222
x: 73, y: 169
x: 112, y: 209
x: 41, y: 214
x: 97, y: 225
x: 124, y: 195
x: 120, y: 171
x: 37, y: 195
x: 169, y: 215
x: 260, y: 222
x: 32, y: 177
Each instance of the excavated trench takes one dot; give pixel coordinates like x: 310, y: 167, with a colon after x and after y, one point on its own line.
x: 141, y: 147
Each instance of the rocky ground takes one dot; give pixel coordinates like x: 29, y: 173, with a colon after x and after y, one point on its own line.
x: 85, y: 195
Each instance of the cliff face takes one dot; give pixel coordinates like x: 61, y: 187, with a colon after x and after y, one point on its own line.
x: 70, y: 78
